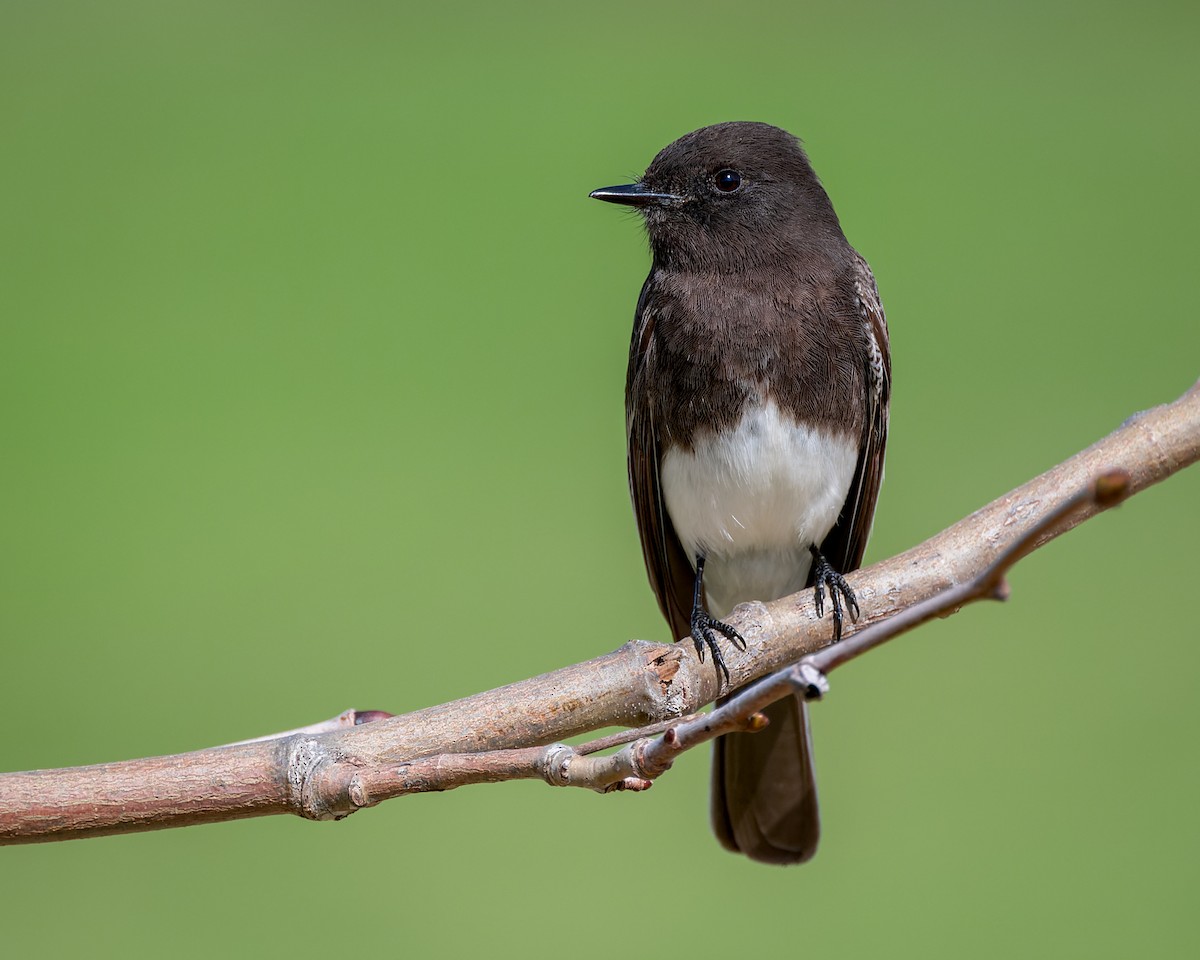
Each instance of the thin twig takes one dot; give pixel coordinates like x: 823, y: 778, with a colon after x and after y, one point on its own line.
x: 345, y: 719
x: 648, y: 757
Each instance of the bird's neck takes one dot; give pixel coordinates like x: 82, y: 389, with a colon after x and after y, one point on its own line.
x: 741, y: 260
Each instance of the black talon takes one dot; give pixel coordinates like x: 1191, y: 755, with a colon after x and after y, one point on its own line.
x: 704, y: 625
x: 825, y: 577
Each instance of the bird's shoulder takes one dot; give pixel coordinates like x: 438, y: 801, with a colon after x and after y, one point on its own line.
x: 874, y: 323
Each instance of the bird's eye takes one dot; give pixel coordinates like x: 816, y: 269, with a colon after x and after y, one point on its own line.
x: 728, y: 180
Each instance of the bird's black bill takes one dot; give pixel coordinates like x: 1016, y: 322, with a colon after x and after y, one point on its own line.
x: 634, y: 195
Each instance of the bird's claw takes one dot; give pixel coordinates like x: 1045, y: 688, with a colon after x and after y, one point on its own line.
x: 704, y: 630
x: 826, y: 578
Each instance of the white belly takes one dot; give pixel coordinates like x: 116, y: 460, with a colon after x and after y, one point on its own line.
x: 753, y: 499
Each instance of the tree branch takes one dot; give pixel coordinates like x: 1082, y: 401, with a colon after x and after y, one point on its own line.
x: 637, y: 765
x: 500, y: 734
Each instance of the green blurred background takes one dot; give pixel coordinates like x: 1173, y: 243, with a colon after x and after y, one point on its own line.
x: 311, y: 379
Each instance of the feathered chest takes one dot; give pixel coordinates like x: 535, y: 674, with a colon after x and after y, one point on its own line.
x: 711, y: 348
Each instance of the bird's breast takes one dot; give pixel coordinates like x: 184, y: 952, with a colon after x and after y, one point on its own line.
x: 752, y: 498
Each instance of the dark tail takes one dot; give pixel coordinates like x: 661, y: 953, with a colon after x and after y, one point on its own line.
x: 764, y: 788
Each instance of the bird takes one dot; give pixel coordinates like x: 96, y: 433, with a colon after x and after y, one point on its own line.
x: 757, y: 397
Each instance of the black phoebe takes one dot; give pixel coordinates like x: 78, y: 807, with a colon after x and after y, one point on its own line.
x: 756, y: 411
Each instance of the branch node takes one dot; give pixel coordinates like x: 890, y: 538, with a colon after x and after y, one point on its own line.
x: 756, y: 722
x: 652, y: 758
x: 314, y: 794
x: 367, y: 716
x: 357, y: 792
x: 666, y: 664
x: 635, y: 784
x: 555, y: 764
x: 1112, y: 487
x: 812, y: 682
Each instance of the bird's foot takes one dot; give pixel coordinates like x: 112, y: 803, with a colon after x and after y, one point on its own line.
x: 704, y: 632
x: 825, y: 577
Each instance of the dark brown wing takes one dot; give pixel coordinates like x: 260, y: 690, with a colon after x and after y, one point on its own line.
x: 667, y: 564
x: 847, y: 541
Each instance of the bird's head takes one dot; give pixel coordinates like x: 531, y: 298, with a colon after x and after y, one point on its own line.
x: 729, y: 196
